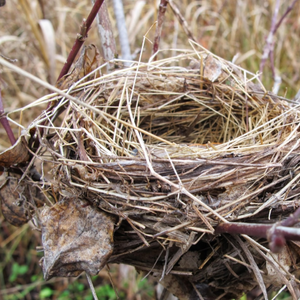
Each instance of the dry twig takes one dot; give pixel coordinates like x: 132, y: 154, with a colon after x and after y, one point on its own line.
x: 85, y: 27
x: 160, y: 20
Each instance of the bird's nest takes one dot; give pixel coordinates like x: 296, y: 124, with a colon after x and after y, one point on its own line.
x: 168, y: 150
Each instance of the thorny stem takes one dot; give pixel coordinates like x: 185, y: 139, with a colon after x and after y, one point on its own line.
x: 85, y: 27
x: 5, y: 123
x: 277, y: 233
x: 160, y: 20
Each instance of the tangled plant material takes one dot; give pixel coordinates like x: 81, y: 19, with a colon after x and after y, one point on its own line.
x: 170, y: 150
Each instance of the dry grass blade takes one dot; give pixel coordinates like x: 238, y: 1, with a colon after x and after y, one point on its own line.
x: 35, y: 29
x: 255, y: 268
x: 49, y: 38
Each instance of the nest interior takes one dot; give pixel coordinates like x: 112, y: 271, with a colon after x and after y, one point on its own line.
x: 170, y: 149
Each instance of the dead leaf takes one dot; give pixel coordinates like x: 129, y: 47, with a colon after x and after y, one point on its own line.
x: 15, y: 154
x: 14, y: 205
x: 213, y: 68
x: 190, y: 261
x: 284, y: 260
x: 76, y: 238
x: 89, y: 59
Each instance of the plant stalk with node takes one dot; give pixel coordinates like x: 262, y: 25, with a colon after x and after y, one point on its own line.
x: 84, y: 29
x: 277, y: 234
x: 160, y: 20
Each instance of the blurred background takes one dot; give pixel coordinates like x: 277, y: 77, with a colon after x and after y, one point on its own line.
x: 232, y: 29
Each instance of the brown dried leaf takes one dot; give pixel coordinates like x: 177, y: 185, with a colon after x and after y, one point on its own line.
x: 284, y: 260
x: 216, y: 71
x: 75, y: 238
x: 88, y: 60
x: 15, y: 154
x: 213, y: 68
x: 14, y: 205
x: 190, y: 261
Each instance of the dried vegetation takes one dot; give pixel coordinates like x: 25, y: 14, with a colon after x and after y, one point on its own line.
x: 172, y: 147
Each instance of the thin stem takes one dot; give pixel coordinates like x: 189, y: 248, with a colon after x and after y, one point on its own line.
x: 85, y: 27
x: 269, y: 47
x: 181, y: 20
x: 277, y: 234
x: 42, y: 6
x: 290, y: 7
x: 123, y: 35
x: 259, y: 230
x: 5, y: 123
x: 160, y: 21
x: 89, y: 279
x: 269, y: 41
x: 292, y: 219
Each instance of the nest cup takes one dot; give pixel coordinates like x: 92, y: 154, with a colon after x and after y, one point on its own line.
x: 169, y: 149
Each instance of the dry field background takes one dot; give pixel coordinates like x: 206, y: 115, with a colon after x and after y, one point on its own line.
x: 230, y: 29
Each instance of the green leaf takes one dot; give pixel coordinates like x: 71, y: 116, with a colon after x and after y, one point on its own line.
x: 46, y: 292
x: 88, y: 297
x: 34, y: 278
x: 23, y: 269
x: 65, y: 295
x: 80, y: 286
x: 106, y: 291
x: 12, y: 277
x: 17, y: 270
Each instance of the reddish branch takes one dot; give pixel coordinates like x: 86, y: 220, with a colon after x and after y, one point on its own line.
x: 290, y: 7
x: 5, y: 123
x: 85, y: 27
x: 160, y: 20
x: 277, y: 234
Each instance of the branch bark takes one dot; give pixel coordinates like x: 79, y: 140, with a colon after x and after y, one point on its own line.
x: 277, y: 233
x: 5, y: 124
x: 123, y: 35
x: 85, y: 27
x: 160, y: 21
x: 106, y: 33
x: 269, y: 46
